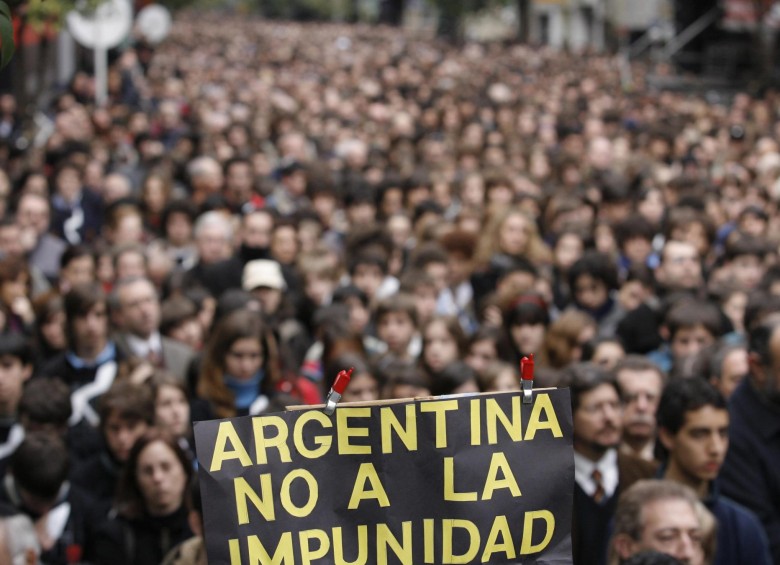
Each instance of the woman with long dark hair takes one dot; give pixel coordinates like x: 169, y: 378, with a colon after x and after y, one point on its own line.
x: 150, y: 511
x: 240, y: 369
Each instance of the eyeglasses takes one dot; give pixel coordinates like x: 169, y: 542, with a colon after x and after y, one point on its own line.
x: 605, y: 406
x: 635, y: 397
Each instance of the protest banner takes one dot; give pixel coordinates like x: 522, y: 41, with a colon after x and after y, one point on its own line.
x: 471, y: 479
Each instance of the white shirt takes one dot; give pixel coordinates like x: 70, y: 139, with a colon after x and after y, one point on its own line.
x: 607, y: 465
x: 142, y: 347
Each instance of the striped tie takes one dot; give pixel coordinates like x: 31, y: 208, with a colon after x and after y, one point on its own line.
x: 155, y: 358
x: 598, y: 494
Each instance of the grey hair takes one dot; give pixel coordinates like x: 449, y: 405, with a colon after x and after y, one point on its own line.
x: 214, y: 218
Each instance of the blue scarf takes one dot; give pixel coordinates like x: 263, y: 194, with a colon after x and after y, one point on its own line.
x: 245, y: 391
x: 108, y: 354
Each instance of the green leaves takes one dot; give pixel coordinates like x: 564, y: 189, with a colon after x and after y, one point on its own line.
x: 7, y: 46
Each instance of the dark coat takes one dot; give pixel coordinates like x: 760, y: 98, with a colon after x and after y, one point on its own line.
x: 79, y: 529
x: 142, y: 541
x: 100, y: 474
x: 751, y: 472
x: 592, y: 523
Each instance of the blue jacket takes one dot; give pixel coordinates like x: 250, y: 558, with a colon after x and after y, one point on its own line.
x: 741, y: 537
x: 751, y: 473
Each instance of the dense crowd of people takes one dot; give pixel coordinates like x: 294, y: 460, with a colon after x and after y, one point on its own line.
x: 261, y: 205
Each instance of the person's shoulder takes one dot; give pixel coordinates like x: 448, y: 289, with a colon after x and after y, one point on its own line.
x: 85, y: 471
x: 53, y: 366
x: 81, y: 497
x: 84, y: 467
x: 91, y: 198
x: 741, y: 394
x: 632, y: 469
x: 736, y: 520
x: 727, y: 509
x: 6, y: 508
x: 52, y: 242
x: 750, y: 418
x: 120, y: 341
x: 177, y: 346
x: 188, y: 552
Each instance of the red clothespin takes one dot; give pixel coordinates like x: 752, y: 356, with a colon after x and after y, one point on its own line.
x: 73, y: 553
x: 527, y: 375
x: 338, y: 388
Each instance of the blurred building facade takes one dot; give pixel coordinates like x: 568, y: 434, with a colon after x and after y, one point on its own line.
x: 596, y: 24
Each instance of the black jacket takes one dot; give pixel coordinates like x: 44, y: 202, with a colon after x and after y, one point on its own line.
x: 142, y: 541
x: 79, y: 530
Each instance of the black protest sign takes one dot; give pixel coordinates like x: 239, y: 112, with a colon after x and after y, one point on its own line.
x: 473, y: 479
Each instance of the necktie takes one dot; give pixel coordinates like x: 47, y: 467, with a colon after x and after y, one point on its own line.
x: 155, y: 358
x: 598, y: 494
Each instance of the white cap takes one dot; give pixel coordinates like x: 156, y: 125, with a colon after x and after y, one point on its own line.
x: 263, y: 272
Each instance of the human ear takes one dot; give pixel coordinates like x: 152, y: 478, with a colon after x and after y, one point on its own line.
x: 666, y: 438
x: 756, y: 368
x: 623, y: 545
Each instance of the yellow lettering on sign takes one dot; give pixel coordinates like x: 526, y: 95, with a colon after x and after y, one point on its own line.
x: 512, y: 425
x: 449, y: 484
x: 542, y: 405
x: 309, y: 554
x: 429, y: 546
x: 324, y: 442
x: 385, y: 539
x: 367, y: 474
x: 338, y: 547
x: 448, y: 527
x: 476, y: 422
x: 345, y: 431
x: 390, y: 423
x: 227, y: 433
x: 258, y: 555
x: 528, y: 546
x: 440, y: 408
x: 499, y: 464
x: 500, y: 527
x: 278, y: 441
x: 264, y: 504
x: 314, y: 493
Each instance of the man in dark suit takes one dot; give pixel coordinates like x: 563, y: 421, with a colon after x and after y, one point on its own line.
x: 136, y: 312
x: 601, y: 473
x: 750, y: 473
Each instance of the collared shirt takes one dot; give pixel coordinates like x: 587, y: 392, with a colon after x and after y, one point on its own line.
x: 607, y: 466
x: 142, y: 347
x: 647, y: 452
x: 457, y: 302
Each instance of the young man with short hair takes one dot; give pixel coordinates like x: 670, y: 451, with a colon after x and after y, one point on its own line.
x: 126, y: 412
x: 396, y: 326
x: 89, y: 365
x: 36, y: 484
x: 689, y: 326
x: 15, y: 369
x: 693, y: 423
